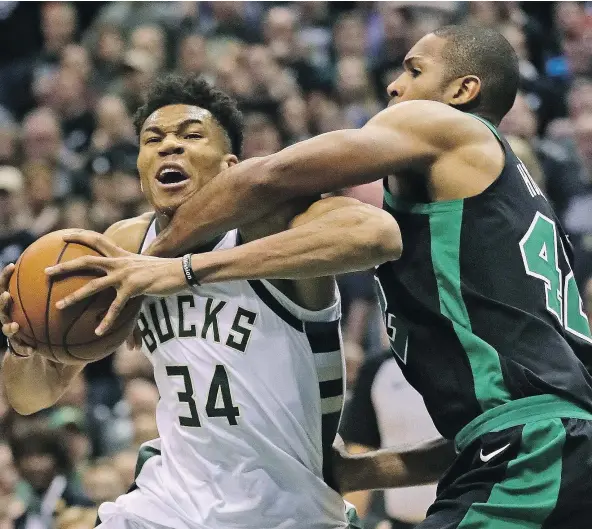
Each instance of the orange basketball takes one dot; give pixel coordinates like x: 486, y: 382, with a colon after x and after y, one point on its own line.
x: 65, y: 336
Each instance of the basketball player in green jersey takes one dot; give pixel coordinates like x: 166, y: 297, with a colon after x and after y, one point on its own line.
x: 482, y: 309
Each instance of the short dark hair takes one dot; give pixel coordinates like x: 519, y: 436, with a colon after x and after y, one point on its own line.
x: 483, y: 52
x: 42, y: 442
x: 197, y: 91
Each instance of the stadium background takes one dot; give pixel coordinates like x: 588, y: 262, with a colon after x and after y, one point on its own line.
x: 71, y: 76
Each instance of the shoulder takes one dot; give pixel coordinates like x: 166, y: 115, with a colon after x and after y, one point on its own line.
x: 129, y: 233
x: 433, y: 122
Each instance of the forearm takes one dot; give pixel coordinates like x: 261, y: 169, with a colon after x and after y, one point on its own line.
x: 35, y: 383
x: 386, y: 468
x: 339, y: 241
x: 234, y: 198
x: 252, y: 189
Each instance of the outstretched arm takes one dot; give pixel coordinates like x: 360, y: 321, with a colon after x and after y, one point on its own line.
x: 387, y: 468
x: 334, y: 235
x: 411, y: 134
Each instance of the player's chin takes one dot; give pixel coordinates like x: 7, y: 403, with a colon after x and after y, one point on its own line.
x: 169, y: 200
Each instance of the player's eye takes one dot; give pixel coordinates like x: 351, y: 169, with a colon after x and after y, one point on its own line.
x: 152, y: 139
x: 193, y: 136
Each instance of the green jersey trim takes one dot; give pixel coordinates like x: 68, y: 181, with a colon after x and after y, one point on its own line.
x: 489, y: 125
x: 516, y: 413
x: 445, y: 231
x: 529, y: 492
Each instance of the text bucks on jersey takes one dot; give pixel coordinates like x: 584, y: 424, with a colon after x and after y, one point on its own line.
x: 251, y: 390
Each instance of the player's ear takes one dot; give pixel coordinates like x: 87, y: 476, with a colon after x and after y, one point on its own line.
x: 464, y: 90
x: 228, y: 161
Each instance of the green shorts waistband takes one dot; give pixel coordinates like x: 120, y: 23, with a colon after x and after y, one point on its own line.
x: 517, y: 412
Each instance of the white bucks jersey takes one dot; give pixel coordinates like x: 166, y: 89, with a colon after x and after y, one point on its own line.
x: 251, y: 390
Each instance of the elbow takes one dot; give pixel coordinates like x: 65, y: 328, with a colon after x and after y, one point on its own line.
x: 25, y: 406
x: 23, y: 402
x: 382, y: 238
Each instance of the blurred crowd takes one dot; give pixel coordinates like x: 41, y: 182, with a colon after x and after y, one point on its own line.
x: 71, y: 77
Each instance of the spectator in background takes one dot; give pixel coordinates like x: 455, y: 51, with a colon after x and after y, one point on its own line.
x: 42, y: 210
x: 355, y: 91
x: 151, y: 40
x: 12, y: 509
x: 262, y: 137
x: 272, y: 82
x: 70, y: 100
x: 124, y: 462
x: 42, y: 461
x: 588, y: 299
x: 578, y: 217
x: 574, y: 25
x: 108, y: 56
x: 76, y: 58
x: 59, y: 22
x: 280, y: 31
x: 42, y: 143
x: 103, y: 482
x: 548, y: 162
x: 349, y: 37
x: 139, y: 70
x: 76, y: 518
x: 13, y: 237
x: 192, y: 58
x: 228, y: 22
x: 114, y: 125
x: 114, y: 186
x: 8, y: 138
x: 70, y: 424
x: 294, y: 120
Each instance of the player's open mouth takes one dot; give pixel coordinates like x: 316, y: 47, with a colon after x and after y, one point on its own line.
x: 172, y: 176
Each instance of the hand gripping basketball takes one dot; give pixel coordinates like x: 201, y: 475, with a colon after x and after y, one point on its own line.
x: 10, y: 328
x: 130, y: 274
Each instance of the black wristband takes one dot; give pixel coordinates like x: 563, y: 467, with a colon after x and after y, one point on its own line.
x: 188, y: 271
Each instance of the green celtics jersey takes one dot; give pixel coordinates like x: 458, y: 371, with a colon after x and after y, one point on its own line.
x: 483, y: 308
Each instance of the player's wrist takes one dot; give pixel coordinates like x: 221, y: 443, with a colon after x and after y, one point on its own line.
x: 190, y: 275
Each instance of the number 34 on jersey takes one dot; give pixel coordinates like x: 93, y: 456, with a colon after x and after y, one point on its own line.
x: 540, y: 249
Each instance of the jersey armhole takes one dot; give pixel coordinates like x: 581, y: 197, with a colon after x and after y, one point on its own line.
x: 330, y: 313
x: 494, y: 131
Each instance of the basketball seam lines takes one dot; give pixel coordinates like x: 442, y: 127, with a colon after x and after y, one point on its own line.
x: 69, y: 328
x: 18, y: 290
x: 114, y: 329
x: 47, y: 304
x: 65, y: 336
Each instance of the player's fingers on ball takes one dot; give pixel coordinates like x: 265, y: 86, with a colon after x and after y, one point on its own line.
x: 5, y: 303
x: 92, y: 287
x: 88, y: 262
x: 5, y: 276
x: 114, y: 311
x: 94, y: 240
x: 10, y: 329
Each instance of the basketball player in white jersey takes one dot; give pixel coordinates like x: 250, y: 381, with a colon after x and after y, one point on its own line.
x: 250, y: 373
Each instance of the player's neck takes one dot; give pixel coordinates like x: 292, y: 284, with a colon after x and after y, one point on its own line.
x: 162, y: 222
